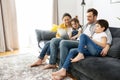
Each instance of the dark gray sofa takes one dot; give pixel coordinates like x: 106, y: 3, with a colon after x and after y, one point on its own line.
x: 100, y: 68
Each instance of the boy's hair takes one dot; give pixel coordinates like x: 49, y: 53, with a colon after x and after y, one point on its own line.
x: 94, y: 11
x: 103, y: 23
x: 66, y: 14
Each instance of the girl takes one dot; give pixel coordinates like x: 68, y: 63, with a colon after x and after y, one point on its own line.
x: 76, y: 29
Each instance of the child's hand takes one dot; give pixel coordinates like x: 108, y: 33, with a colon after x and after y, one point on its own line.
x: 73, y: 38
x: 105, y: 50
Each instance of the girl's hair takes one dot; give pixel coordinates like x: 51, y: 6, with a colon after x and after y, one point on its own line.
x: 76, y: 21
x: 66, y: 14
x: 103, y: 23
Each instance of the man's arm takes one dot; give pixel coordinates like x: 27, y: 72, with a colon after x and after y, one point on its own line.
x: 109, y: 36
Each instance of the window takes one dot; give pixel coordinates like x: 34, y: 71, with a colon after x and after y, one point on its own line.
x: 115, y: 1
x: 31, y: 15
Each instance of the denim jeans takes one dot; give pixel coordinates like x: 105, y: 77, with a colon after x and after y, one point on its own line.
x: 65, y: 46
x: 72, y: 53
x: 45, y: 50
x: 91, y: 49
x: 54, y: 49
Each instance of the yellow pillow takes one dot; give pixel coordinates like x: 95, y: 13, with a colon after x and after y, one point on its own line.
x: 54, y: 28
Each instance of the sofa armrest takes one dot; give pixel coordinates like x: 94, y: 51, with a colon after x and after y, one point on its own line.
x: 43, y: 35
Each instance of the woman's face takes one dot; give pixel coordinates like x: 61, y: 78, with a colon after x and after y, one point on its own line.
x: 74, y: 25
x: 66, y: 20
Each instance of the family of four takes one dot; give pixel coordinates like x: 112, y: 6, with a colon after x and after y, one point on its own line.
x: 92, y: 39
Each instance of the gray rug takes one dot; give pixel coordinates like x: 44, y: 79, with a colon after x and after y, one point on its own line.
x: 17, y: 67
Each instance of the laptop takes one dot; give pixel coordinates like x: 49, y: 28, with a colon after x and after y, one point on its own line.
x: 63, y: 33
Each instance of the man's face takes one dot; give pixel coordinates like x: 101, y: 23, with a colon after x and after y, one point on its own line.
x: 90, y: 17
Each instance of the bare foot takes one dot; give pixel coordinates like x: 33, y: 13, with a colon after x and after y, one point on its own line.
x: 78, y: 58
x: 45, y: 58
x: 49, y: 66
x: 37, y: 63
x: 61, y: 72
x: 57, y: 78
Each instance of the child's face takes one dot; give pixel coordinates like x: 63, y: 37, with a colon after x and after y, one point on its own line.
x: 98, y: 28
x: 66, y: 20
x: 74, y: 25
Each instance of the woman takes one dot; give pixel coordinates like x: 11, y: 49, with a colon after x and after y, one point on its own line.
x: 66, y: 27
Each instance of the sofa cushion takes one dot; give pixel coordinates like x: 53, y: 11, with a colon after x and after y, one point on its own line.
x: 78, y: 75
x: 99, y: 68
x: 114, y: 50
x: 115, y: 32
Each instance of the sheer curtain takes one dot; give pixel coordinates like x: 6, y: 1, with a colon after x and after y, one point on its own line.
x: 31, y: 15
x: 8, y: 26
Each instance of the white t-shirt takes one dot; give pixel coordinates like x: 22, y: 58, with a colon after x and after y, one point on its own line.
x: 80, y: 29
x: 98, y: 36
x: 87, y: 31
x: 69, y: 29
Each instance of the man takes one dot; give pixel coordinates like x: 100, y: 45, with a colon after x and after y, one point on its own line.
x: 67, y: 45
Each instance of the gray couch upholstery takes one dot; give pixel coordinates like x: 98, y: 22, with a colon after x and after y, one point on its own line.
x: 44, y: 36
x: 99, y: 68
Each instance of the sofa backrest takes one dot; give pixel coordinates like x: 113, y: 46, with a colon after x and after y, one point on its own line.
x: 44, y: 35
x: 114, y: 50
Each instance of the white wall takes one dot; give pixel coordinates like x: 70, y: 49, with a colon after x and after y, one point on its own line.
x: 69, y: 6
x: 108, y: 11
x: 73, y: 7
x: 89, y: 4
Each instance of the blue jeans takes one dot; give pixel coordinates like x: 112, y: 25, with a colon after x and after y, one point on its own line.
x: 45, y: 50
x: 91, y: 49
x: 72, y: 53
x: 65, y: 46
x: 54, y: 49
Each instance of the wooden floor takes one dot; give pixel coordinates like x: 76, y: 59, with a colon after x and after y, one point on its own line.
x: 22, y: 50
x: 9, y: 53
